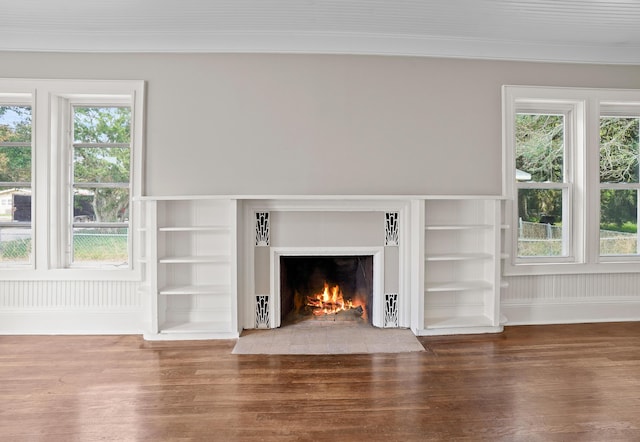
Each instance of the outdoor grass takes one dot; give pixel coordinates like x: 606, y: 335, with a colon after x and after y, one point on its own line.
x: 86, y: 248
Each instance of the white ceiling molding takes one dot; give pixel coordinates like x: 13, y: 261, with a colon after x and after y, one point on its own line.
x: 585, y: 31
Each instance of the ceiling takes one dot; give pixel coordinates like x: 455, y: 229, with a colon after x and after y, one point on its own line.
x: 589, y: 31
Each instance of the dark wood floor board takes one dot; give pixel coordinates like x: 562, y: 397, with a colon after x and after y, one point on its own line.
x: 536, y: 383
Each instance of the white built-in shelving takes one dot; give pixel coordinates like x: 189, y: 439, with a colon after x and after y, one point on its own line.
x: 461, y: 254
x: 192, y: 268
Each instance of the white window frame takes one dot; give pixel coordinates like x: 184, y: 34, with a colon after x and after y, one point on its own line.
x: 584, y: 106
x: 67, y: 105
x: 51, y: 132
x: 569, y: 110
x: 22, y: 98
x: 619, y: 110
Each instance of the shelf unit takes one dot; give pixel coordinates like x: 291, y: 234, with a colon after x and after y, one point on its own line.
x: 192, y: 268
x: 461, y: 280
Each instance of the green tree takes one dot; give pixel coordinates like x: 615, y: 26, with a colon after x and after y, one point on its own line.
x: 15, y: 128
x: 104, y: 157
x: 540, y: 152
x: 619, y: 164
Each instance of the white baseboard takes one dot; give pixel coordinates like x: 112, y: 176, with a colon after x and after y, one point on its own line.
x: 571, y: 312
x: 77, y: 322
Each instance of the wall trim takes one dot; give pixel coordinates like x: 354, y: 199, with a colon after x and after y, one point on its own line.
x: 64, y: 322
x: 572, y: 312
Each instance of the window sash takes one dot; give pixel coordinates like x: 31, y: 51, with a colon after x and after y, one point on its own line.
x: 19, y: 100
x: 73, y: 226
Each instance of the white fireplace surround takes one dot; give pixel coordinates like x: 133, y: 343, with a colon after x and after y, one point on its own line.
x: 323, y: 206
x: 378, y: 275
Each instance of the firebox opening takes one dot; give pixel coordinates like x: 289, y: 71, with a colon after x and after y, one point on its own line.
x: 328, y: 288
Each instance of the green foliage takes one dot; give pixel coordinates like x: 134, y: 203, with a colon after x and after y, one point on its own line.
x: 618, y: 206
x: 627, y: 227
x: 535, y: 203
x: 15, y: 127
x: 99, y: 164
x: 539, y: 151
x: 540, y: 146
x: 619, y: 150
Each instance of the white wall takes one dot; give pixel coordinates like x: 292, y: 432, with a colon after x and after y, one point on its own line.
x: 299, y: 124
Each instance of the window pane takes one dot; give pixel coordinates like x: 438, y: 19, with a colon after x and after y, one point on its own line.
x: 539, y: 147
x: 101, y: 165
x: 15, y: 245
x: 540, y: 231
x: 103, y: 205
x: 15, y: 205
x: 618, y: 222
x: 15, y: 124
x: 619, y: 150
x: 15, y: 164
x: 102, y: 125
x: 101, y: 245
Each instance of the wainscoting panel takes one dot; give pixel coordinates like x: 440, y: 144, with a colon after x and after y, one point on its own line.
x: 552, y: 299
x: 71, y: 307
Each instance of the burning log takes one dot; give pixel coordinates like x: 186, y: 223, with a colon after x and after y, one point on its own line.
x: 329, y: 305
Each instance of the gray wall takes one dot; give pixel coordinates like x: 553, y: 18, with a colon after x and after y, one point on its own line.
x: 315, y: 124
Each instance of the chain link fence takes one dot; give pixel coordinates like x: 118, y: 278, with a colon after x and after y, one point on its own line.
x: 537, y: 239
x: 89, y: 245
x: 15, y: 244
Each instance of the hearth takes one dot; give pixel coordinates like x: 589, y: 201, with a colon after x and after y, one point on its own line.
x: 326, y: 288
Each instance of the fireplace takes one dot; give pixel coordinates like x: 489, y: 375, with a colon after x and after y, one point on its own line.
x: 333, y: 234
x: 356, y: 271
x: 326, y: 288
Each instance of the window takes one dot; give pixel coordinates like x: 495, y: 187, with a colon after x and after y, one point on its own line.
x: 85, y: 140
x: 618, y: 183
x: 100, y: 185
x: 571, y: 166
x: 16, y: 236
x: 543, y: 184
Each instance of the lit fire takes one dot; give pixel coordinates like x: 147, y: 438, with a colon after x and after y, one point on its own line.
x: 330, y: 301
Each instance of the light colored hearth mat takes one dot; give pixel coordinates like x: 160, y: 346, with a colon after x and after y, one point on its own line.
x: 325, y: 337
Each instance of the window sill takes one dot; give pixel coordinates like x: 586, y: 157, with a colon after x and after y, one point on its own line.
x: 571, y: 268
x: 74, y: 274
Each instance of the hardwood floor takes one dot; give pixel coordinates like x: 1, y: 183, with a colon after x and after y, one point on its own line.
x: 535, y: 383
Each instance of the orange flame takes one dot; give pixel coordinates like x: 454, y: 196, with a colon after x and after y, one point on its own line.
x: 329, y: 301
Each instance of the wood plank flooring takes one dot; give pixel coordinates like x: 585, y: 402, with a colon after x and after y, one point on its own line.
x: 534, y: 383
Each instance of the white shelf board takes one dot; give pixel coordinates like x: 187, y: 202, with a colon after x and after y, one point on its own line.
x: 458, y: 325
x: 458, y: 227
x: 195, y: 327
x: 458, y: 321
x: 457, y: 286
x: 191, y: 336
x: 458, y: 256
x: 211, y: 259
x: 196, y: 290
x: 472, y: 330
x: 221, y: 229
